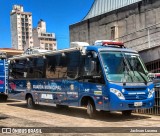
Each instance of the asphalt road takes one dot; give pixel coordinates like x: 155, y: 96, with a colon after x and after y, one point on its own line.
x: 70, y: 121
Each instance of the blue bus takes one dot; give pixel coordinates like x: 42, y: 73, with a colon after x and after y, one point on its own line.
x: 102, y: 77
x: 3, y: 76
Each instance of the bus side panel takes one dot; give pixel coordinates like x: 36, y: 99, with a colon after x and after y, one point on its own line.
x: 48, y: 91
x: 6, y: 77
x: 106, y: 98
x: 72, y: 88
x: 17, y: 89
x: 94, y: 91
x: 2, y: 77
x: 2, y: 83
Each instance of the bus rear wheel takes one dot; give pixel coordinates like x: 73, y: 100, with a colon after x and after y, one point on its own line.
x: 127, y: 113
x: 91, y: 111
x: 30, y: 103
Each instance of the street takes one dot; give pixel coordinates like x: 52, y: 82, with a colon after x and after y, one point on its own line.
x: 14, y: 113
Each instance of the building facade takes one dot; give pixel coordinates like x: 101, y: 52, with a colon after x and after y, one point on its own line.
x: 21, y: 28
x: 43, y: 39
x: 135, y: 22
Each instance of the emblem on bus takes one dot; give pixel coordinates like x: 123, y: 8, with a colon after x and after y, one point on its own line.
x: 72, y: 87
x: 137, y: 96
x: 28, y: 85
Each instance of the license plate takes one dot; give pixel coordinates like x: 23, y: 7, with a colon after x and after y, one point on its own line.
x: 46, y: 96
x: 136, y: 104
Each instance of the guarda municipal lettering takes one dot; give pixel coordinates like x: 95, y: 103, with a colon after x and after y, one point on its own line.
x: 47, y: 87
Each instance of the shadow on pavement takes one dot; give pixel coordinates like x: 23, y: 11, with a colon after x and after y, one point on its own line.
x: 3, y: 117
x: 9, y: 101
x: 81, y: 113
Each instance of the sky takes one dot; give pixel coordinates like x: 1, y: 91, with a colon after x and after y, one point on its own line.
x: 58, y: 15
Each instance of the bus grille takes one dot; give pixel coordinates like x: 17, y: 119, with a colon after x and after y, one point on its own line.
x: 135, y: 89
x: 135, y: 97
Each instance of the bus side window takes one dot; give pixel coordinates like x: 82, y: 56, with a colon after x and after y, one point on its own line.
x: 20, y: 68
x: 56, y: 66
x: 12, y: 71
x: 39, y: 68
x: 73, y: 64
x: 30, y: 68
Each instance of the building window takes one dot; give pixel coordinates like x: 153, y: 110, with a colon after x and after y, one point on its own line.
x: 46, y: 46
x: 113, y: 32
x: 50, y: 47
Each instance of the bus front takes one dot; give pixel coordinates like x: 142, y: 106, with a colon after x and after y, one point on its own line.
x: 128, y: 85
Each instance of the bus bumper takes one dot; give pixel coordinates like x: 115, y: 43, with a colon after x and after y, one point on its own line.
x: 131, y: 104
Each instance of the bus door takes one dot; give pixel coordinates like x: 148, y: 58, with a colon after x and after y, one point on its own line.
x: 94, y: 83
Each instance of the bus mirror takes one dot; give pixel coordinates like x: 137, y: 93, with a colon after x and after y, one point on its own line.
x: 154, y: 75
x: 94, y: 54
x: 151, y: 75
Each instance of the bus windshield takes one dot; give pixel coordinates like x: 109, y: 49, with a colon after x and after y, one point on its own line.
x: 124, y: 67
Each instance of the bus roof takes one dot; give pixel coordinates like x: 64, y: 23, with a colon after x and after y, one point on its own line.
x: 42, y: 53
x: 108, y: 48
x: 87, y: 48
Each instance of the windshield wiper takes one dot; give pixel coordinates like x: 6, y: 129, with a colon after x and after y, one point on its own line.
x: 128, y: 68
x: 145, y: 81
x: 131, y: 67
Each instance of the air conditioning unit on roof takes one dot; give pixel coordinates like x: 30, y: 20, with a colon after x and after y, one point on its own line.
x: 78, y: 44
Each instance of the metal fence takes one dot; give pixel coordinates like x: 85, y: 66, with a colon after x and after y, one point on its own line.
x: 156, y: 108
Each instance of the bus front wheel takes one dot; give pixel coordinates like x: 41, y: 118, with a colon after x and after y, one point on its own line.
x: 91, y: 109
x: 30, y: 103
x: 127, y: 113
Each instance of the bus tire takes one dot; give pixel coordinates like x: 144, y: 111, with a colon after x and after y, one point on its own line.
x: 5, y: 98
x: 30, y: 102
x: 91, y: 110
x: 127, y: 113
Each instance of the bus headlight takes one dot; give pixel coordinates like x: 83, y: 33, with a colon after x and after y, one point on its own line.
x: 117, y: 93
x: 150, y: 93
